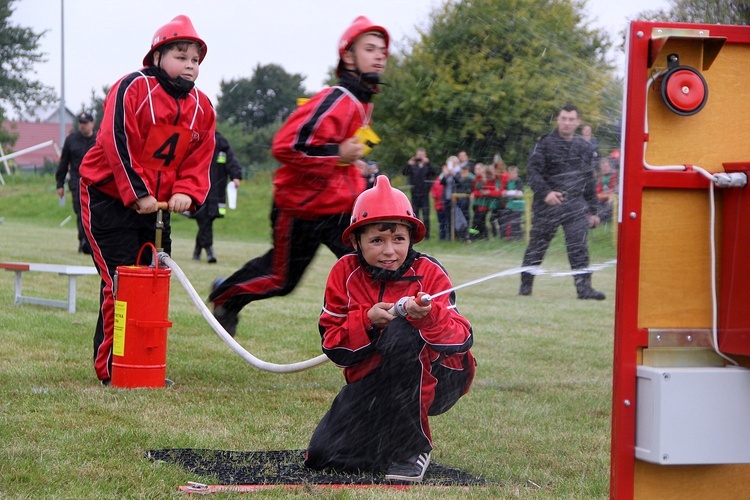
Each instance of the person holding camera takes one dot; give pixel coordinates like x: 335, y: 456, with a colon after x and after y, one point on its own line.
x: 421, y: 175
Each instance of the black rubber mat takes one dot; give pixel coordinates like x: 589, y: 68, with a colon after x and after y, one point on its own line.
x: 287, y: 467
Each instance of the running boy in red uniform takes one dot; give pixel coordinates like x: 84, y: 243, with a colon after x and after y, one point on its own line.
x: 154, y: 145
x: 320, y: 176
x: 398, y: 370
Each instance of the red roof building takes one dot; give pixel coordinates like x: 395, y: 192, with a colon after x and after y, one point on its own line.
x: 31, y: 134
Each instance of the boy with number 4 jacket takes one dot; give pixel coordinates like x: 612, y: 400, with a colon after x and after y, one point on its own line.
x: 154, y: 145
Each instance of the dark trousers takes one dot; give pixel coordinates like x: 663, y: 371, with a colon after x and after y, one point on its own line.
x: 421, y: 205
x: 479, y: 222
x: 276, y: 273
x: 378, y: 419
x: 116, y: 234
x: 605, y: 211
x: 510, y: 224
x: 444, y: 222
x: 462, y: 204
x: 546, y: 219
x: 75, y: 195
x: 495, y: 222
x: 205, y: 236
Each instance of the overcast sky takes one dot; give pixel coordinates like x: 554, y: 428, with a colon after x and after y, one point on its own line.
x: 106, y: 39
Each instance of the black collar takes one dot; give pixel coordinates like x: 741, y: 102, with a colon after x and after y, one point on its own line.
x: 354, y: 85
x: 179, y: 88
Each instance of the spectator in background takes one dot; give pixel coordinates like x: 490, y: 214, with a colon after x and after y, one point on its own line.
x: 501, y: 172
x: 464, y: 161
x: 486, y: 198
x: 606, y: 190
x: 464, y: 186
x: 614, y: 159
x: 371, y: 173
x: 587, y: 134
x: 76, y: 146
x: 514, y: 206
x: 436, y: 193
x: 448, y: 181
x: 421, y: 175
x: 501, y: 169
x: 562, y: 177
x: 224, y: 165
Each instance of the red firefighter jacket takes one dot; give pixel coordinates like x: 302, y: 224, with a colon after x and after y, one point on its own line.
x: 348, y: 338
x: 310, y: 182
x: 151, y: 143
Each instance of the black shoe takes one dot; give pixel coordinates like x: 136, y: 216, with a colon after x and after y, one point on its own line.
x: 410, y: 471
x: 228, y: 319
x: 105, y: 383
x: 197, y: 253
x: 591, y: 294
x: 211, y: 257
x: 584, y: 288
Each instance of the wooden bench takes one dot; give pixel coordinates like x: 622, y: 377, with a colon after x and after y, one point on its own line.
x: 72, y: 272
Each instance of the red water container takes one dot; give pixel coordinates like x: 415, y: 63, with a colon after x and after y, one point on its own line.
x: 140, y: 334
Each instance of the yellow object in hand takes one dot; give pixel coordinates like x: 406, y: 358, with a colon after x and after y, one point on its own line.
x: 368, y: 138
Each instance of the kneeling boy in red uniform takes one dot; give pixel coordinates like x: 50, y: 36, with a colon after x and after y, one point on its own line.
x: 398, y: 369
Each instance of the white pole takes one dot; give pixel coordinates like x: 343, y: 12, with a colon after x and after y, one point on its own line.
x: 7, y: 169
x: 62, y: 71
x: 27, y: 150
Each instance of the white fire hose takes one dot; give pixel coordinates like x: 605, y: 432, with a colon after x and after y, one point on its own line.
x: 398, y: 309
x: 223, y: 335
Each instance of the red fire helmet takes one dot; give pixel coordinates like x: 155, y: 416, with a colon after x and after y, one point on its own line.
x: 383, y: 203
x: 359, y: 27
x: 179, y: 28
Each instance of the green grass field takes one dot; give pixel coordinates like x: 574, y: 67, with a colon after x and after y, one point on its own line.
x: 537, y: 420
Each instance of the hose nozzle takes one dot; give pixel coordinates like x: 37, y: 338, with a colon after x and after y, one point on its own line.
x: 399, y: 308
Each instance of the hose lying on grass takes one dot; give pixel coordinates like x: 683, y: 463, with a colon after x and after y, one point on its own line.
x: 223, y: 335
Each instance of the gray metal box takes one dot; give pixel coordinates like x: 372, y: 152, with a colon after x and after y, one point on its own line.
x: 692, y: 415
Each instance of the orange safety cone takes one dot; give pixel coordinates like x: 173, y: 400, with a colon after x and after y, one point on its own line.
x: 140, y: 333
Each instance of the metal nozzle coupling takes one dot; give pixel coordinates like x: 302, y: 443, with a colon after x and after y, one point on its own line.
x: 399, y: 308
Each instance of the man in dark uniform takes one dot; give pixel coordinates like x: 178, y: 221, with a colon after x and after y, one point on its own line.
x: 561, y: 175
x: 75, y: 147
x: 224, y: 165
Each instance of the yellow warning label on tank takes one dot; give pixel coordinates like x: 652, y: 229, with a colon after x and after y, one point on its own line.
x: 121, y: 316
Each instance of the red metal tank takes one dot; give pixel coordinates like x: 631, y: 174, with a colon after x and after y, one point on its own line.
x: 140, y: 336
